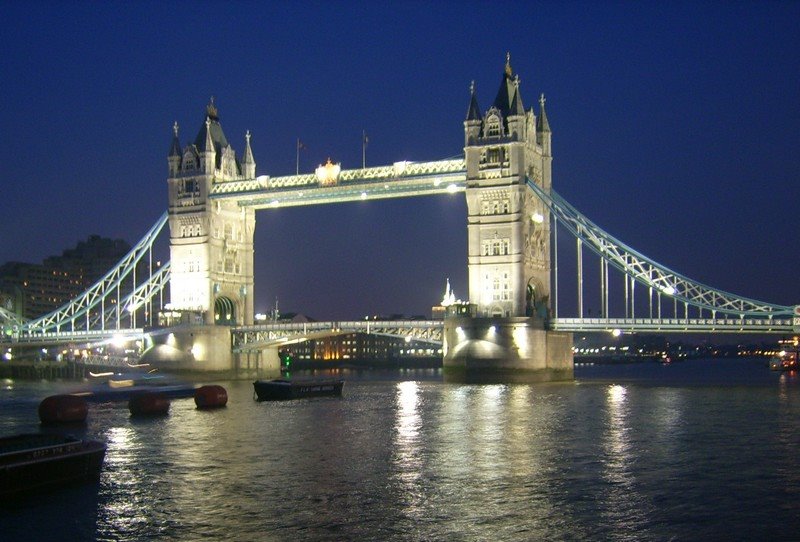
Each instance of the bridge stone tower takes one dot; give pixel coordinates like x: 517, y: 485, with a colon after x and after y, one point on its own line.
x: 508, y: 227
x: 211, y: 241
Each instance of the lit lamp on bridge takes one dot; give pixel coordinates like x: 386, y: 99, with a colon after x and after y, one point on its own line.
x: 328, y: 174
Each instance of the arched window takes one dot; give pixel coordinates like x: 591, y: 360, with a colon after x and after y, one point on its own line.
x: 492, y: 126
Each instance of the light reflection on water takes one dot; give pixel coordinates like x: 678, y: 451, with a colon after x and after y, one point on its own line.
x: 398, y: 459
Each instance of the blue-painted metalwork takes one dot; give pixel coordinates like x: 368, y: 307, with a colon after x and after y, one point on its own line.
x: 103, y: 311
x: 651, y: 274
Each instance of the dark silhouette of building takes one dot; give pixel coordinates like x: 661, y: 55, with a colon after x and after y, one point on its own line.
x: 33, y: 290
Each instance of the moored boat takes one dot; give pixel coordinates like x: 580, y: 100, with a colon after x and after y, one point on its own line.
x: 107, y: 387
x: 279, y: 389
x: 34, y: 462
x: 788, y: 359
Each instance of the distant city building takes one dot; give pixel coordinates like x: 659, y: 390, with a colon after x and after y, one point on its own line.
x: 354, y: 347
x: 33, y: 290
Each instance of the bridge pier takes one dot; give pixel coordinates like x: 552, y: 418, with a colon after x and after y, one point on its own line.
x: 188, y: 347
x: 262, y: 362
x: 206, y: 348
x: 505, y: 350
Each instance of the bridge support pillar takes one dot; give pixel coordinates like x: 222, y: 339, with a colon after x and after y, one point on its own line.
x: 505, y: 350
x: 261, y: 363
x: 199, y: 348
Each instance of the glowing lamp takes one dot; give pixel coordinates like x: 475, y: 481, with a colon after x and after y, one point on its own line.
x: 328, y: 173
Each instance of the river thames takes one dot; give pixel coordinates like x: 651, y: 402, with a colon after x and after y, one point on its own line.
x: 698, y: 450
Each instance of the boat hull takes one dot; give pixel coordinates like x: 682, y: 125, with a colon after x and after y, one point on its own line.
x: 281, y: 390
x: 33, y: 463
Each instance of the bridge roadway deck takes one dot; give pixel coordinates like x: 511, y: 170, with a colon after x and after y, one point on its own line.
x: 260, y: 336
x: 244, y: 338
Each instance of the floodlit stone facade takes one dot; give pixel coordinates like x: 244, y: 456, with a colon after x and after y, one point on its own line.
x: 211, y: 241
x: 508, y: 228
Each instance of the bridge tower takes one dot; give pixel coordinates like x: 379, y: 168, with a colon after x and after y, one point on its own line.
x: 211, y: 241
x: 508, y: 227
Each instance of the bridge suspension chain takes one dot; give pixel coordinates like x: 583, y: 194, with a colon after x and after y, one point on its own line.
x: 84, y: 312
x: 645, y: 271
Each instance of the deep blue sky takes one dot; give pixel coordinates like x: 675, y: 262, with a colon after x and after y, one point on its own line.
x: 676, y: 127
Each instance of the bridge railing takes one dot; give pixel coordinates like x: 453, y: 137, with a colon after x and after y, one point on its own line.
x: 681, y: 325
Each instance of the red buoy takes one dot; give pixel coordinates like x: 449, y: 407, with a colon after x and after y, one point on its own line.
x: 63, y: 409
x: 148, y: 403
x: 211, y: 396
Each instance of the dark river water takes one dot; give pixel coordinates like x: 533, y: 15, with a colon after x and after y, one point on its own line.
x: 700, y: 450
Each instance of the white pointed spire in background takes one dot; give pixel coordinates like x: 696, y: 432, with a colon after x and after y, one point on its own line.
x: 449, y: 296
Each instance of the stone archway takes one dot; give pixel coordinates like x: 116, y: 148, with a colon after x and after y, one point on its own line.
x: 224, y: 311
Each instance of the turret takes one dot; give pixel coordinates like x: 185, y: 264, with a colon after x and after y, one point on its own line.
x: 543, y: 134
x: 516, y: 115
x: 472, y: 124
x: 248, y: 162
x: 207, y: 152
x: 174, y: 157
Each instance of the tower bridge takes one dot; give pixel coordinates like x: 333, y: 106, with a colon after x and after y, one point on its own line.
x: 204, y: 294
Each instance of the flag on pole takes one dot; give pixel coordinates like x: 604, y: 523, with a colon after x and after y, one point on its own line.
x: 300, y: 146
x: 364, y: 141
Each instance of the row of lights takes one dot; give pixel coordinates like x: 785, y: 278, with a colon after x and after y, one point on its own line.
x: 451, y: 188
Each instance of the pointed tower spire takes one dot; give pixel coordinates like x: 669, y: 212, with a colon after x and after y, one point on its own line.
x: 541, y: 123
x: 472, y: 124
x: 174, y: 156
x: 473, y: 112
x: 516, y: 102
x: 211, y: 110
x: 175, y: 149
x: 248, y: 162
x: 505, y: 94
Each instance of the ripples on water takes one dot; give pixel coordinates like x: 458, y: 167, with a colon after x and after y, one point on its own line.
x: 694, y: 451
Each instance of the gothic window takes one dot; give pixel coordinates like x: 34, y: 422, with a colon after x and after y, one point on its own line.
x: 228, y: 231
x: 494, y: 155
x: 493, y: 126
x: 188, y: 162
x: 496, y: 247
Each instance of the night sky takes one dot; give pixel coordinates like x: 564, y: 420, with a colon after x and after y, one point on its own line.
x: 676, y: 127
